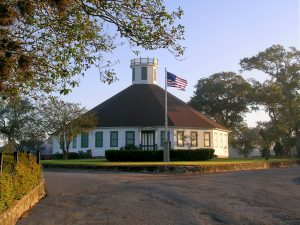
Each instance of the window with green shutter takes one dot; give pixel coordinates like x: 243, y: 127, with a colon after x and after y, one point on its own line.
x: 98, y: 139
x: 130, y: 140
x: 74, y: 143
x: 206, y: 139
x: 162, y: 138
x: 114, y: 139
x: 84, y: 140
x: 144, y: 73
x: 194, y: 138
x: 180, y: 138
x: 133, y: 74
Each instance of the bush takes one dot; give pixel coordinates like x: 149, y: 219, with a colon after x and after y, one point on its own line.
x: 157, y: 155
x: 131, y: 147
x: 6, y: 191
x: 278, y: 149
x: 192, y: 155
x: 74, y: 155
x: 18, y: 181
x: 57, y: 156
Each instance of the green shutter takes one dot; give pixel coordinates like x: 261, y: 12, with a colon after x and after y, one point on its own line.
x: 206, y: 139
x: 130, y: 138
x: 194, y: 138
x: 144, y: 73
x: 180, y: 138
x: 84, y: 140
x: 98, y: 139
x: 114, y: 139
x: 133, y: 74
x: 74, y: 144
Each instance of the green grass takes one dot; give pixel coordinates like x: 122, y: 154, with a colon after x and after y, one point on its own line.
x: 104, y: 162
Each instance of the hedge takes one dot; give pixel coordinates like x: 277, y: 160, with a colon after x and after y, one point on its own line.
x: 157, y: 155
x: 17, y: 182
x: 74, y: 155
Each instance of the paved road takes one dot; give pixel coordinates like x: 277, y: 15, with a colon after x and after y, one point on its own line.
x: 247, y: 197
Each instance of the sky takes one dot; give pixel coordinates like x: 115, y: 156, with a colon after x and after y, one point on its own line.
x: 218, y: 34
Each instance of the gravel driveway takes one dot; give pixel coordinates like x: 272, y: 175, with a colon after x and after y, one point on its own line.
x: 246, y: 197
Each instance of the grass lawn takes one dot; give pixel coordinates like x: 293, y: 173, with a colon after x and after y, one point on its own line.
x: 104, y: 162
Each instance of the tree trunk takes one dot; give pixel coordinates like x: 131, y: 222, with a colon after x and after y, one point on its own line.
x: 65, y: 155
x: 298, y: 143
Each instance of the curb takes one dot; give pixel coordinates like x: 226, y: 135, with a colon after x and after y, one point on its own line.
x: 203, y: 169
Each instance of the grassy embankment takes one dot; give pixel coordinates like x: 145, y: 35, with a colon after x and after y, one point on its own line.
x: 213, y: 162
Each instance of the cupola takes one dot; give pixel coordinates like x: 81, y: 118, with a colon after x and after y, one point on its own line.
x: 144, y: 70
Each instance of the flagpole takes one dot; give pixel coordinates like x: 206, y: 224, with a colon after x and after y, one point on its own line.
x: 166, y: 144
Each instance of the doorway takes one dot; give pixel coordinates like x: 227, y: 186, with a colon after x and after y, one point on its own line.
x: 148, y: 140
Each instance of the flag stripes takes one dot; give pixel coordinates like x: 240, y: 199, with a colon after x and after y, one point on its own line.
x: 175, y: 81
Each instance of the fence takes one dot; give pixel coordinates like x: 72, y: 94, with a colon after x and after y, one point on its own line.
x: 16, y: 158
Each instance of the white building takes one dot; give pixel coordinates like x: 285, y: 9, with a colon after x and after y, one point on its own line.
x: 135, y: 116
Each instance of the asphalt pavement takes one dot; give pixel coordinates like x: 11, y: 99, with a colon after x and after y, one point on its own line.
x: 246, y: 197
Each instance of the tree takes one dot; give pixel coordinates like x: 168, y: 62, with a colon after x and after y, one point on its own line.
x: 277, y: 149
x: 65, y: 120
x: 44, y: 44
x: 246, y: 140
x: 282, y: 104
x: 20, y: 124
x: 225, y: 97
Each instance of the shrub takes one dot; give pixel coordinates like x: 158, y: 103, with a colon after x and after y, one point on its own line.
x: 17, y: 181
x: 57, y: 156
x: 89, y: 154
x: 265, y: 152
x: 133, y: 155
x: 74, y: 155
x: 131, y: 147
x: 192, y: 155
x: 157, y: 155
x: 6, y: 191
x: 278, y: 149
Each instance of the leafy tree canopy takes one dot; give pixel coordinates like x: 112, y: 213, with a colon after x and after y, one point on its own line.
x: 65, y: 121
x: 246, y: 140
x: 223, y: 97
x: 44, y: 44
x: 280, y: 94
x: 21, y: 125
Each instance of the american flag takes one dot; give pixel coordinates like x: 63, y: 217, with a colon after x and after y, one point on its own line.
x: 175, y: 81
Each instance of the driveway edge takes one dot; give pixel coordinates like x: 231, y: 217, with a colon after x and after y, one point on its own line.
x: 203, y: 169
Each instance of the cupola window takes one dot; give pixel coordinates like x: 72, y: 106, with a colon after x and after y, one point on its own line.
x: 133, y: 74
x: 144, y: 73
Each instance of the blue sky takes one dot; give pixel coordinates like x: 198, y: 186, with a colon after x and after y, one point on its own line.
x: 218, y: 34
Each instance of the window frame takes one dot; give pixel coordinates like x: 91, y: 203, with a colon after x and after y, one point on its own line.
x: 216, y: 144
x: 74, y: 142
x: 111, y: 139
x: 221, y: 140
x: 182, y: 139
x: 194, y: 132
x: 97, y: 145
x: 144, y: 73
x: 133, y: 74
x: 126, y: 138
x: 83, y: 141
x: 225, y: 140
x: 209, y: 139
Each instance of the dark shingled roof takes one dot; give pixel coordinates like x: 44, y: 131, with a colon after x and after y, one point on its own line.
x: 142, y: 105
